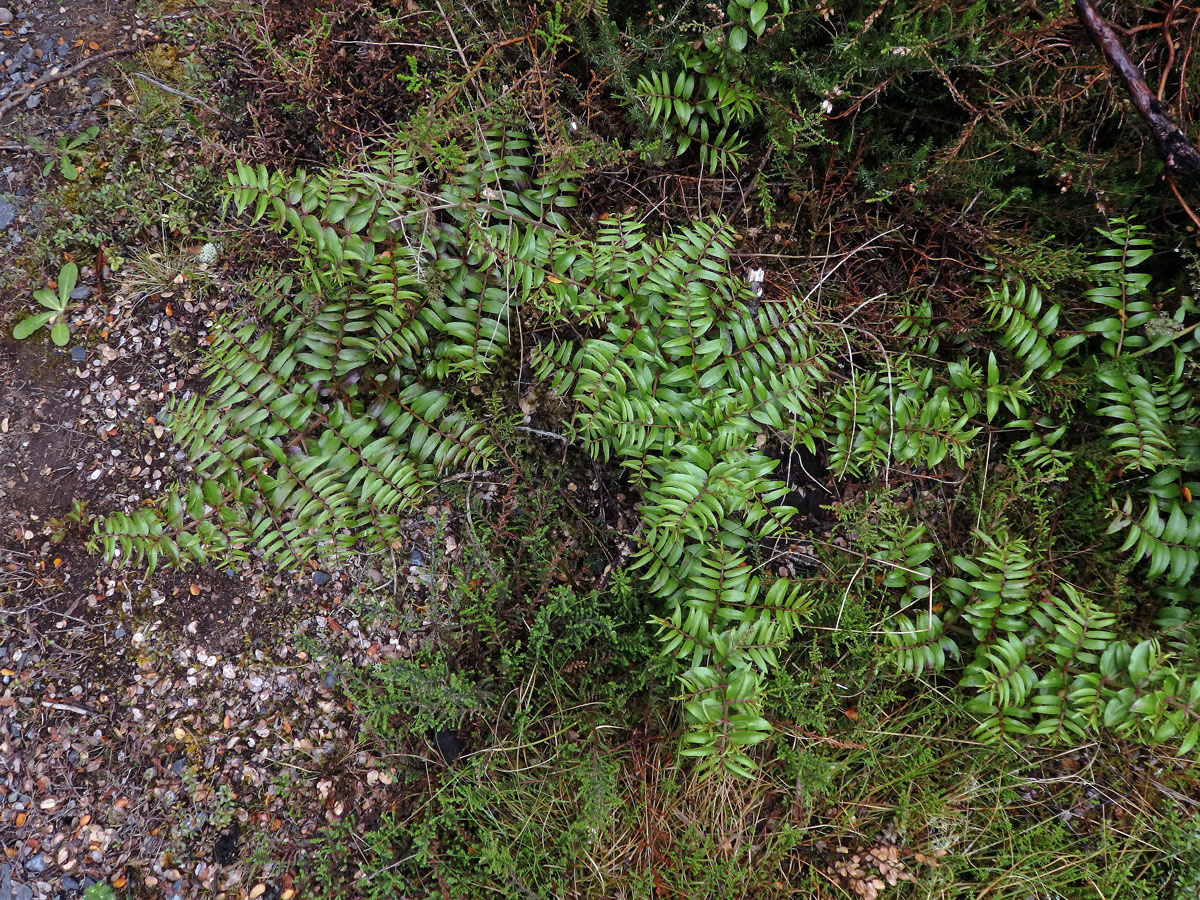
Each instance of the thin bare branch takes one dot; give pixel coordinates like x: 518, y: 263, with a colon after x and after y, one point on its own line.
x: 1177, y: 152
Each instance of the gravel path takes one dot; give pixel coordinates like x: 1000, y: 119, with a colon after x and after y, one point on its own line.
x: 53, y: 83
x: 187, y: 734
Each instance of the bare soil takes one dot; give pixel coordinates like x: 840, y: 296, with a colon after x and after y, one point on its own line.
x: 141, y: 717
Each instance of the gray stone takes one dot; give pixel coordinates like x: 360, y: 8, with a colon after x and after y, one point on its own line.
x: 6, y: 16
x: 416, y: 559
x: 63, y: 50
x: 321, y: 578
x: 81, y: 292
x: 330, y: 681
x: 33, y: 101
x: 7, y: 213
x: 120, y: 632
x: 36, y: 864
x: 78, y: 354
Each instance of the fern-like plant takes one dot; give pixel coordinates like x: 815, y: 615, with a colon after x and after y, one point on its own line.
x: 1050, y: 658
x: 331, y: 410
x: 325, y: 418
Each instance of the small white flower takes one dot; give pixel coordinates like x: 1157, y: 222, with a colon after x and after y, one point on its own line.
x: 826, y: 107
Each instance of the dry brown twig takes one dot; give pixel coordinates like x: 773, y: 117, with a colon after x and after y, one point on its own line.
x: 1177, y: 152
x: 1183, y: 203
x: 151, y: 80
x: 58, y: 75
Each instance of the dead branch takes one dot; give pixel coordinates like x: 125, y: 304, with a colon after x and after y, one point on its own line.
x: 57, y: 74
x: 1177, y: 152
x: 68, y: 707
x: 151, y: 80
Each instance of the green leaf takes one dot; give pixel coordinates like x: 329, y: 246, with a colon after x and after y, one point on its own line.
x: 1142, y: 660
x: 757, y: 12
x: 98, y: 891
x: 26, y: 327
x: 48, y: 299
x: 738, y: 38
x: 1190, y: 740
x: 67, y: 167
x: 60, y: 333
x: 68, y: 277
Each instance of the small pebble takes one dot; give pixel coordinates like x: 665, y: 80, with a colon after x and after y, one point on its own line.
x: 6, y: 16
x: 36, y: 864
x: 321, y: 578
x: 81, y: 292
x: 78, y: 354
x: 32, y: 101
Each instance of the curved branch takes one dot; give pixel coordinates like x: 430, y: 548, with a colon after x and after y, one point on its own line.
x: 1177, y: 152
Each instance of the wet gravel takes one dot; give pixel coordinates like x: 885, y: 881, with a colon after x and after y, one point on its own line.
x: 143, y: 719
x: 40, y: 41
x: 37, y: 39
x: 186, y: 734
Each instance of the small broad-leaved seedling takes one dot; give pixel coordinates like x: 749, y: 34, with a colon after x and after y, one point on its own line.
x: 69, y: 153
x: 56, y: 303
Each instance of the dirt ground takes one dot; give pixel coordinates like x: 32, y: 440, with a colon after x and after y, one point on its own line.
x: 172, y: 735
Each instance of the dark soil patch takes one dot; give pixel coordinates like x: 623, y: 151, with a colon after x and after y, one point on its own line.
x: 319, y: 81
x: 41, y: 38
x: 38, y: 446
